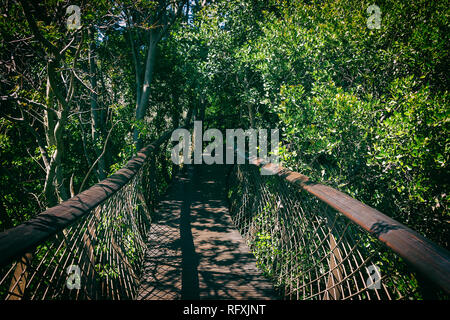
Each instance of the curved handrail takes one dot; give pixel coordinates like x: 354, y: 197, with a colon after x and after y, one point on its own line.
x: 25, y: 237
x: 428, y: 258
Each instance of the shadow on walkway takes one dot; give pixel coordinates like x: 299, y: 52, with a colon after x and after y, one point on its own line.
x: 194, y: 252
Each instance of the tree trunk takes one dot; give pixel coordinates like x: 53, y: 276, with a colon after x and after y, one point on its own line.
x: 142, y: 103
x: 95, y: 114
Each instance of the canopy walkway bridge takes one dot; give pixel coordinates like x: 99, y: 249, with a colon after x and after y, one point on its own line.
x: 153, y: 230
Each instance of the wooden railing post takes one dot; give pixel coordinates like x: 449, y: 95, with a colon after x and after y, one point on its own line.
x: 20, y: 278
x: 334, y: 287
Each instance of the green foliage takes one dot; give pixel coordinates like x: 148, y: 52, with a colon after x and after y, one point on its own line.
x: 364, y: 110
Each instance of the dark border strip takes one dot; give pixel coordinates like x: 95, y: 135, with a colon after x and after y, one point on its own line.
x: 425, y: 256
x: 27, y: 236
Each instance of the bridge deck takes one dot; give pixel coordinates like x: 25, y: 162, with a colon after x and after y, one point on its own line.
x: 194, y: 252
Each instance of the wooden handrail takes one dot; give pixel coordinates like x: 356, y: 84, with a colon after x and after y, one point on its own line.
x: 425, y: 256
x: 17, y: 241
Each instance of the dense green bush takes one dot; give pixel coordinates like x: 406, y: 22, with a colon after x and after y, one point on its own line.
x: 364, y: 110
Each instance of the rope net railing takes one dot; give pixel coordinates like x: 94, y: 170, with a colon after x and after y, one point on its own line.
x: 91, y: 246
x: 311, y: 250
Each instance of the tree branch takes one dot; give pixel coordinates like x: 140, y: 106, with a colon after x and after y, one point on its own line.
x: 36, y: 32
x: 28, y: 101
x: 98, y: 158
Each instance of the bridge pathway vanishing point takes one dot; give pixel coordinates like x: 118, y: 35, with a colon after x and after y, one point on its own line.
x: 194, y: 251
x: 315, y: 241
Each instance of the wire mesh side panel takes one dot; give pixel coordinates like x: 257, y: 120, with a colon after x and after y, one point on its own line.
x: 99, y: 256
x: 308, y: 249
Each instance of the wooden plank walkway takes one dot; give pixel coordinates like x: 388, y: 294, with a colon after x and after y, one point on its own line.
x: 194, y: 252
